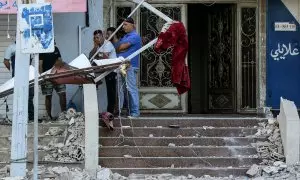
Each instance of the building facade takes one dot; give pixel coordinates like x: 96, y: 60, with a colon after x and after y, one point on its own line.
x: 232, y: 45
x: 227, y: 55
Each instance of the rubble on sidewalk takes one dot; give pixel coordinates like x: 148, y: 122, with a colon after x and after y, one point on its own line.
x: 65, y: 173
x: 72, y: 150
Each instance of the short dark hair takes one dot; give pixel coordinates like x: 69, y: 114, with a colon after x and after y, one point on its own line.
x: 112, y: 29
x: 97, y: 32
x: 129, y: 20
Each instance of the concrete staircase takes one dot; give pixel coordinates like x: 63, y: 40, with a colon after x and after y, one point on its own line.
x: 44, y: 140
x: 215, y: 146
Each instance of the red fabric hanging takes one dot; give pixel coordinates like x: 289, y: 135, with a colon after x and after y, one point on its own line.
x: 176, y: 36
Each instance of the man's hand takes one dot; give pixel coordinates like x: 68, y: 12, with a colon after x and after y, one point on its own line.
x: 59, y: 63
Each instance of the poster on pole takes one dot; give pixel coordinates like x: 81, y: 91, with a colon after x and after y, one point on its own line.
x: 36, y: 27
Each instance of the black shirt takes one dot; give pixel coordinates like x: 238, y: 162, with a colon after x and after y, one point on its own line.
x: 49, y: 59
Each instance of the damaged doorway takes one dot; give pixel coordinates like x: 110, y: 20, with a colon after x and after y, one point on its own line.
x: 212, y: 58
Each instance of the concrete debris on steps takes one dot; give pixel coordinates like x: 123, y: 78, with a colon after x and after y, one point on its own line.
x: 72, y: 149
x: 271, y: 153
x: 184, y: 146
x: 65, y: 173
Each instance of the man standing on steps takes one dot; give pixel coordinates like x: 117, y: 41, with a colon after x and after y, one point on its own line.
x: 9, y: 62
x: 47, y: 61
x: 107, y: 51
x: 130, y: 43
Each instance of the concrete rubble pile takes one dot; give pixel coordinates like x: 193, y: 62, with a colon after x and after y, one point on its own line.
x: 72, y: 149
x: 65, y: 173
x: 271, y: 151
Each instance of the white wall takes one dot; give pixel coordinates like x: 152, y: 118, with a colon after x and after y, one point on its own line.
x: 66, y: 28
x: 66, y: 37
x: 294, y: 7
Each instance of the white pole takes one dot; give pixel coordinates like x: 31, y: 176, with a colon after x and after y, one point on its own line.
x: 36, y: 116
x: 20, y: 108
x: 154, y: 10
x: 91, y: 129
x: 36, y: 113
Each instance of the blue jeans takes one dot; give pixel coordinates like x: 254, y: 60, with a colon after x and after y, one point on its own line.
x: 130, y: 82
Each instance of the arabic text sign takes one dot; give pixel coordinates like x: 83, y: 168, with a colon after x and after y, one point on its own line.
x: 285, y: 26
x: 10, y: 6
x: 37, y: 28
x: 283, y: 51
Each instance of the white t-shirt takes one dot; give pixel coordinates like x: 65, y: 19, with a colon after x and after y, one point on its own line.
x: 10, y: 51
x: 110, y: 49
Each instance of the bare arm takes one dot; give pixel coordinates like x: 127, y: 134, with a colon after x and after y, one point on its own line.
x: 6, y: 63
x: 123, y: 47
x: 41, y: 66
x: 59, y: 62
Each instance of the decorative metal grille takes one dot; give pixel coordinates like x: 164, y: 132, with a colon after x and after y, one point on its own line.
x: 155, y: 68
x: 221, y: 59
x: 121, y: 13
x: 248, y: 57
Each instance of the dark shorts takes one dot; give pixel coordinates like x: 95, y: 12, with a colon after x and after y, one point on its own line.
x: 47, y: 88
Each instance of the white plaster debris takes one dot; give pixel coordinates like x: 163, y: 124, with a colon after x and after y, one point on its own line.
x: 273, y: 166
x: 272, y: 149
x: 72, y: 149
x: 172, y: 145
x: 55, y: 131
x: 65, y: 173
x: 254, y: 170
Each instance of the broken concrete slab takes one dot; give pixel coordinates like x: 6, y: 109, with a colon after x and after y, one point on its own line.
x: 254, y: 170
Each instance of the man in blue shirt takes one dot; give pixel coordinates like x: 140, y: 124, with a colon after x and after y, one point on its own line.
x: 130, y: 43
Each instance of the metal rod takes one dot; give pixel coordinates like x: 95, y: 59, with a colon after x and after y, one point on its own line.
x: 141, y: 49
x: 154, y: 10
x: 114, y: 33
x: 129, y: 57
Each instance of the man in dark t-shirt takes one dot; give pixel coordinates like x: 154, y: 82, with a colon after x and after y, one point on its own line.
x: 47, y: 61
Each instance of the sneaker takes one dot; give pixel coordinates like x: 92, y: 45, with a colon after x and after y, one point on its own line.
x: 133, y: 116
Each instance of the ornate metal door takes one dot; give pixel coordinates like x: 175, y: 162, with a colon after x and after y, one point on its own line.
x: 221, y: 71
x: 157, y: 93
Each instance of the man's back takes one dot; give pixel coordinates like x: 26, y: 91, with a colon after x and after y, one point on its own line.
x: 49, y: 59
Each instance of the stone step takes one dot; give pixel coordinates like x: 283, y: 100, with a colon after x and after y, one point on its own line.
x: 189, y: 122
x: 5, y: 141
x: 177, y: 162
x: 49, y: 164
x: 171, y: 132
x: 140, y: 173
x: 182, y: 141
x: 5, y: 155
x: 162, y: 151
x: 43, y: 128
